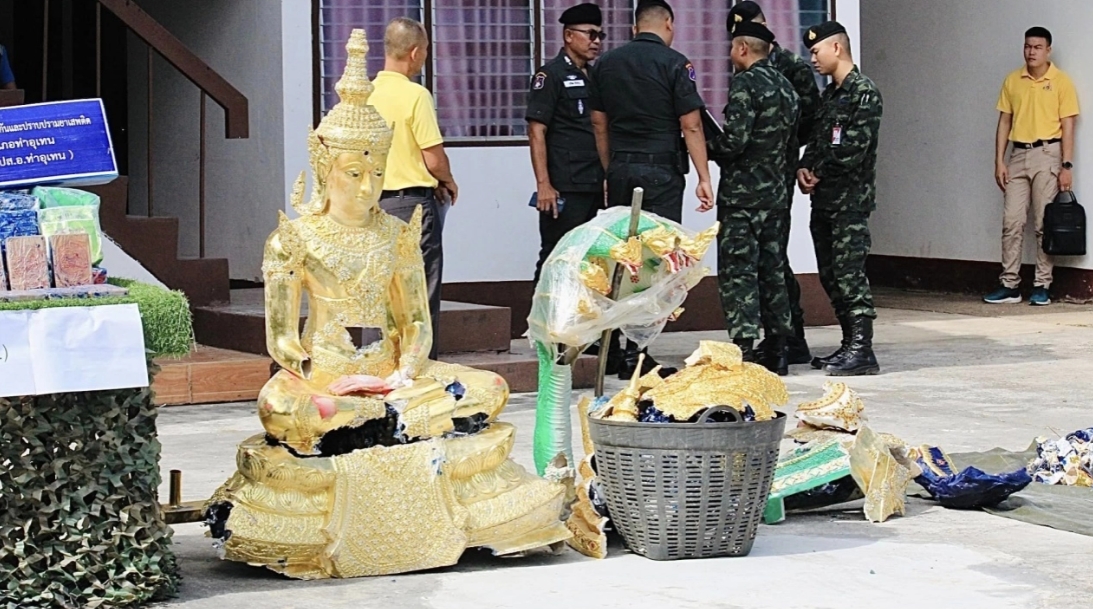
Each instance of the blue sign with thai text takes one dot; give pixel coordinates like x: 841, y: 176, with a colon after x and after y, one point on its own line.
x: 56, y: 143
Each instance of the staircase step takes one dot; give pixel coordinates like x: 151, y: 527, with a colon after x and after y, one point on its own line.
x: 154, y: 243
x: 241, y: 325
x: 210, y: 375
x: 203, y: 280
x: 520, y: 367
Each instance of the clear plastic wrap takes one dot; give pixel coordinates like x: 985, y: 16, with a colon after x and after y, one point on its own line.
x: 571, y: 307
x: 68, y: 210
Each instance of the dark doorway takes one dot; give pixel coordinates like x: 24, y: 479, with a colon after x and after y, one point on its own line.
x: 61, y: 61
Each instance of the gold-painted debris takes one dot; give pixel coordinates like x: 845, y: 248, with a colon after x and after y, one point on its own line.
x: 624, y: 405
x: 716, y: 375
x: 840, y: 408
x: 585, y: 523
x: 879, y: 474
x: 882, y: 465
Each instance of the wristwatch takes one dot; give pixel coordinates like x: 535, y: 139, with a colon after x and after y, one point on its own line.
x: 1068, y: 165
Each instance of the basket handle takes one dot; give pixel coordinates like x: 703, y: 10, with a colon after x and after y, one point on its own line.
x: 736, y: 418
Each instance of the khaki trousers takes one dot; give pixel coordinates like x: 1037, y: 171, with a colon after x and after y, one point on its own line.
x: 1034, y: 179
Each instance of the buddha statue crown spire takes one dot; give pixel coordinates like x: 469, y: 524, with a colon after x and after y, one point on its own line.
x: 352, y: 125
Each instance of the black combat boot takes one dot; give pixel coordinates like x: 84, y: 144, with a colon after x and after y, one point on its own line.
x: 820, y: 362
x: 858, y: 359
x: 629, y: 364
x: 747, y: 348
x: 774, y: 357
x: 797, y: 351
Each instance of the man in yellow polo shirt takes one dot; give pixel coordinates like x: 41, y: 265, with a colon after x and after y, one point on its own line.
x: 1038, y: 108
x: 418, y: 171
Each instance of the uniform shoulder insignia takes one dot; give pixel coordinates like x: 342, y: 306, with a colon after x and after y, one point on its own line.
x: 539, y: 81
x: 691, y: 72
x: 864, y: 100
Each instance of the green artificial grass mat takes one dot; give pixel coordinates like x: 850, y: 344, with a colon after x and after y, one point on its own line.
x: 168, y: 326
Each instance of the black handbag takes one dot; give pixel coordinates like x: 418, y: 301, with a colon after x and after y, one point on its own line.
x: 1064, y: 226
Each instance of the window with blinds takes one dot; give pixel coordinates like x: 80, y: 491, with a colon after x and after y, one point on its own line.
x: 483, y: 59
x: 484, y: 52
x: 618, y: 20
x: 336, y: 19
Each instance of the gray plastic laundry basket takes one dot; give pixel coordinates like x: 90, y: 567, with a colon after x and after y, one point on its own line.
x: 687, y: 490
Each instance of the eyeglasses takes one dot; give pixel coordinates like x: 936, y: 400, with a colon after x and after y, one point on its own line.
x: 592, y: 34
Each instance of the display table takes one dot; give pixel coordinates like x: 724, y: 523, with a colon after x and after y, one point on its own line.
x: 80, y: 521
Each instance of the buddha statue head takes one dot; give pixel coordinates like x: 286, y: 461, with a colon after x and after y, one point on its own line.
x: 349, y: 148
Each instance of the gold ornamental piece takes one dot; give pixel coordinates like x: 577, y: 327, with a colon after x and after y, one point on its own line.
x: 716, y: 375
x: 589, y: 527
x: 839, y: 409
x: 309, y: 506
x: 879, y: 475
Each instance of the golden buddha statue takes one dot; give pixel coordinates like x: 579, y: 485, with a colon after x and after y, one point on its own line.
x: 374, y: 460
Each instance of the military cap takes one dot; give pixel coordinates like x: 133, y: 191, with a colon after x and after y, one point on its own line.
x: 745, y: 11
x: 823, y: 31
x: 643, y: 4
x: 752, y: 29
x: 582, y: 13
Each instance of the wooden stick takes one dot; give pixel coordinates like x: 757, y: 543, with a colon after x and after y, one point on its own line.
x: 616, y: 283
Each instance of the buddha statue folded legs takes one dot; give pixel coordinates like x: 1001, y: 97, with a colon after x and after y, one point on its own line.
x: 374, y: 459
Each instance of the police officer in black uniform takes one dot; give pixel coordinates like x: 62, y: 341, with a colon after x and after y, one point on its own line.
x: 563, y: 148
x: 645, y: 95
x: 644, y: 98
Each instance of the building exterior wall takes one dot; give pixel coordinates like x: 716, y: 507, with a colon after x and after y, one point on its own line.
x: 264, y: 49
x: 492, y: 235
x: 261, y: 47
x: 940, y: 65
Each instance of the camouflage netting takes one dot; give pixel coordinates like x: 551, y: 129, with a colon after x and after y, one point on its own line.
x: 80, y: 524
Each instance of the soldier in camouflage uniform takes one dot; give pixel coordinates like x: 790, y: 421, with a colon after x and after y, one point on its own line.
x: 800, y: 75
x: 751, y: 198
x: 839, y: 170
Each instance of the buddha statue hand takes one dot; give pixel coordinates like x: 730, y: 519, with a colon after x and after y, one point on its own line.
x: 360, y: 383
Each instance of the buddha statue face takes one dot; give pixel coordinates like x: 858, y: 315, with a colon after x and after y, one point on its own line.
x: 355, y: 183
x: 349, y: 147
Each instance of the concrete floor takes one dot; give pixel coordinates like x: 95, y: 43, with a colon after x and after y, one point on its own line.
x: 961, y: 381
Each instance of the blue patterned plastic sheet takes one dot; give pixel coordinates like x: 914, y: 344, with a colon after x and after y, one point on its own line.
x: 18, y: 216
x: 970, y: 489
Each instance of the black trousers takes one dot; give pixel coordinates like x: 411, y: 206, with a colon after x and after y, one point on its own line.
x: 432, y: 247
x: 663, y: 185
x: 580, y: 207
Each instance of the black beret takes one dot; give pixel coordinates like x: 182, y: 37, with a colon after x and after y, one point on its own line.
x: 823, y: 31
x: 752, y: 29
x: 745, y: 11
x: 582, y: 13
x: 644, y: 4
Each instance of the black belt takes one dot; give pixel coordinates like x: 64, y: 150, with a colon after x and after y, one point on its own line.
x: 1036, y: 144
x: 416, y: 191
x: 662, y: 158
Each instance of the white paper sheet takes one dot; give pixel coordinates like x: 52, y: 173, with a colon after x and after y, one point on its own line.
x: 16, y: 371
x: 75, y: 349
